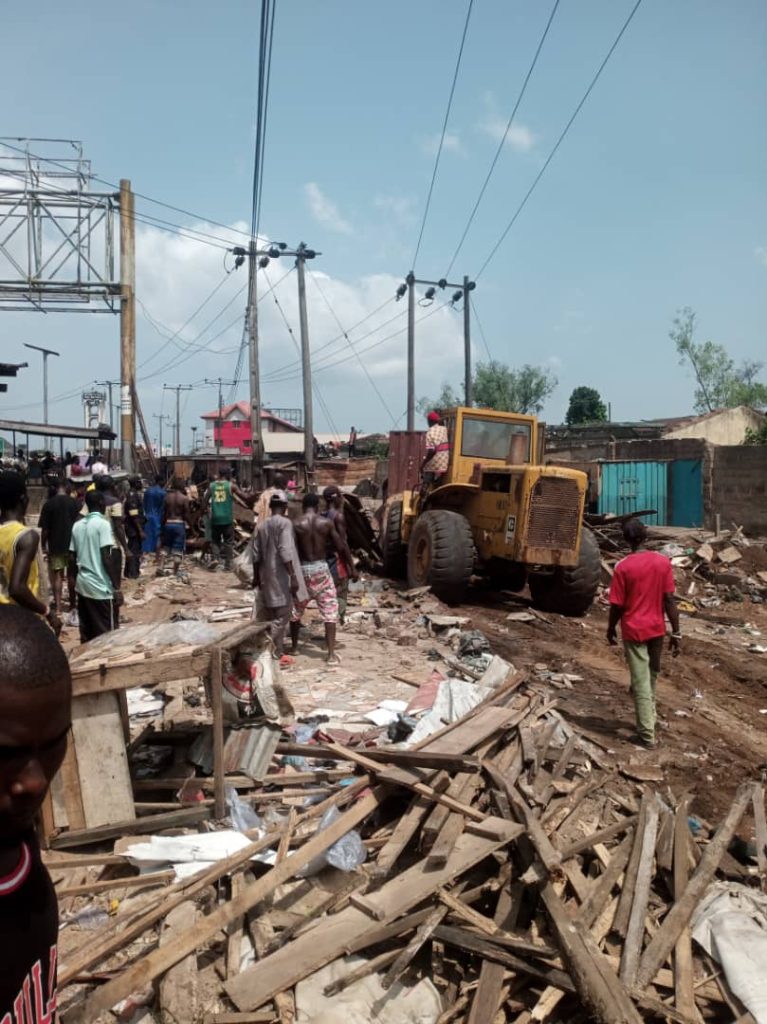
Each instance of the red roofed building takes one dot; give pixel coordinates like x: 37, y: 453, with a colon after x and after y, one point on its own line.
x: 232, y: 426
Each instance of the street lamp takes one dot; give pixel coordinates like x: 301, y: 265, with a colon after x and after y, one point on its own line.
x: 194, y: 439
x: 46, y: 352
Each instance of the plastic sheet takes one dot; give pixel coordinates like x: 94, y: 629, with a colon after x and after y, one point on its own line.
x: 346, y: 854
x: 241, y: 813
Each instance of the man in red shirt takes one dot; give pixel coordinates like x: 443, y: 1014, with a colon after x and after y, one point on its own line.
x: 642, y: 592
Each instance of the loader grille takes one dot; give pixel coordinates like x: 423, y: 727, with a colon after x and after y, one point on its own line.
x: 555, y: 511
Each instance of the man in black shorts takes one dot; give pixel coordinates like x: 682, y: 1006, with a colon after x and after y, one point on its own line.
x: 35, y: 716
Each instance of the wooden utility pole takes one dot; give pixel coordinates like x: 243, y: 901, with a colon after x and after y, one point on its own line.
x: 306, y: 365
x: 410, y: 350
x: 256, y: 424
x: 127, y: 324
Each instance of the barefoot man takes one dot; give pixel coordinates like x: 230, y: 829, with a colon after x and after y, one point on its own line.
x: 314, y: 535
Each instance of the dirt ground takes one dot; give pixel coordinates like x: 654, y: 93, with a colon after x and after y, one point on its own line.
x: 710, y: 699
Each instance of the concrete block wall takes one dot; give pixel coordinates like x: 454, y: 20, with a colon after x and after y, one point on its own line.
x: 739, y: 487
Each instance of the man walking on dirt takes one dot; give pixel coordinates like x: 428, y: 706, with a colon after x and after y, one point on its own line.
x: 57, y: 517
x: 133, y: 507
x: 342, y: 567
x: 98, y: 581
x: 641, y: 593
x: 220, y: 497
x: 314, y: 535
x: 277, y: 571
x: 173, y: 532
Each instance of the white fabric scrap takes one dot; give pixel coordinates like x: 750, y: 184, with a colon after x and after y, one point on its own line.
x: 455, y: 698
x: 190, y: 854
x: 364, y: 1001
x: 730, y: 923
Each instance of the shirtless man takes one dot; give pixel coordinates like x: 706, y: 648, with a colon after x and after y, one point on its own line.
x: 174, y: 527
x: 314, y: 536
x: 342, y: 568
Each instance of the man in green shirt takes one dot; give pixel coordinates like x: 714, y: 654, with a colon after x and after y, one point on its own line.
x: 220, y: 499
x: 98, y: 580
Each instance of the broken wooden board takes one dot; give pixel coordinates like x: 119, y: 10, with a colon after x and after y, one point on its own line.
x: 102, y: 762
x: 332, y: 937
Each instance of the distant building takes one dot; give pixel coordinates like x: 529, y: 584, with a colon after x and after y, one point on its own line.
x: 231, y: 427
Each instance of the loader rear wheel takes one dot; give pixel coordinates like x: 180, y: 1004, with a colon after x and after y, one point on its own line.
x: 570, y: 591
x: 441, y: 554
x: 394, y: 551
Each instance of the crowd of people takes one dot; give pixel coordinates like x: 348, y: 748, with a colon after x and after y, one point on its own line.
x: 94, y: 535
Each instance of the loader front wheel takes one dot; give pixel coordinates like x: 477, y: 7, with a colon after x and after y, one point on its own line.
x: 570, y: 591
x: 394, y: 551
x: 441, y: 554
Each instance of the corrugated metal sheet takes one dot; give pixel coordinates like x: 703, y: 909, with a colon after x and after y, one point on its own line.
x: 247, y: 750
x: 631, y: 486
x: 251, y: 749
x: 406, y: 453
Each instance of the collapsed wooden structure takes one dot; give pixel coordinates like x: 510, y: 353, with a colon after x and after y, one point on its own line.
x: 510, y: 860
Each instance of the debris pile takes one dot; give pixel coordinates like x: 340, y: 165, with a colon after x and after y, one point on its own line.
x: 711, y: 569
x: 502, y: 864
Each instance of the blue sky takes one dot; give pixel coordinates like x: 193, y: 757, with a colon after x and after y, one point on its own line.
x: 656, y: 199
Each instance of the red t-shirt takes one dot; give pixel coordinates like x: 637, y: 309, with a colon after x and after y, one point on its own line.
x: 639, y: 584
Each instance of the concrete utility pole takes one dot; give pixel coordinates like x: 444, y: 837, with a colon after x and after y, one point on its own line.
x: 261, y: 258
x: 302, y: 254
x: 162, y: 419
x: 46, y: 352
x: 410, y: 351
x: 467, y: 288
x: 127, y: 324
x: 219, y: 383
x: 462, y: 292
x: 178, y: 388
x: 113, y: 421
x: 256, y: 424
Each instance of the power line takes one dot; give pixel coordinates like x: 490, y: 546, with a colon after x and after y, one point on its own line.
x: 444, y: 130
x: 315, y: 386
x: 372, y: 383
x: 172, y: 338
x: 502, y: 143
x: 264, y: 76
x: 296, y: 362
x: 368, y: 348
x: 481, y: 329
x: 560, y: 140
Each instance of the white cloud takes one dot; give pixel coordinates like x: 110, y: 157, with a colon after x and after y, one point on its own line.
x: 450, y: 144
x: 402, y: 208
x: 493, y: 124
x: 325, y: 211
x: 761, y: 254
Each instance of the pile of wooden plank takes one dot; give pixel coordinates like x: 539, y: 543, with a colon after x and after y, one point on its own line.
x: 508, y: 861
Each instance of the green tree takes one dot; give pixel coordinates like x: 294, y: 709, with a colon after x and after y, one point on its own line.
x: 448, y: 398
x: 720, y: 383
x: 586, y: 406
x: 756, y: 436
x: 497, y: 386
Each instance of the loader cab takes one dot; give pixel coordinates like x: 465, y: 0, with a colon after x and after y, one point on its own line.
x: 484, y: 442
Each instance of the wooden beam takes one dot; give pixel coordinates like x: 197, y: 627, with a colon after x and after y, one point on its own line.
x: 217, y: 707
x: 679, y: 916
x: 101, y: 677
x: 334, y: 935
x: 684, y: 992
x: 636, y: 926
x: 151, y: 966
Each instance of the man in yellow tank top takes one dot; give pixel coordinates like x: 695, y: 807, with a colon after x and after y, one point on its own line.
x: 19, y: 576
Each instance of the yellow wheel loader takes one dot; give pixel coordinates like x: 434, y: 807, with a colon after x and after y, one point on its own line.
x: 496, y: 512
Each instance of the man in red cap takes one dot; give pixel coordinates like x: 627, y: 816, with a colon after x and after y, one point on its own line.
x: 437, y: 459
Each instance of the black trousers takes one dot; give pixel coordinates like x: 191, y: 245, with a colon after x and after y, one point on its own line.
x: 96, y: 617
x: 133, y: 559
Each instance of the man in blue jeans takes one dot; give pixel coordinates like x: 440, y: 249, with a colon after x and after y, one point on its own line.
x: 174, y: 527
